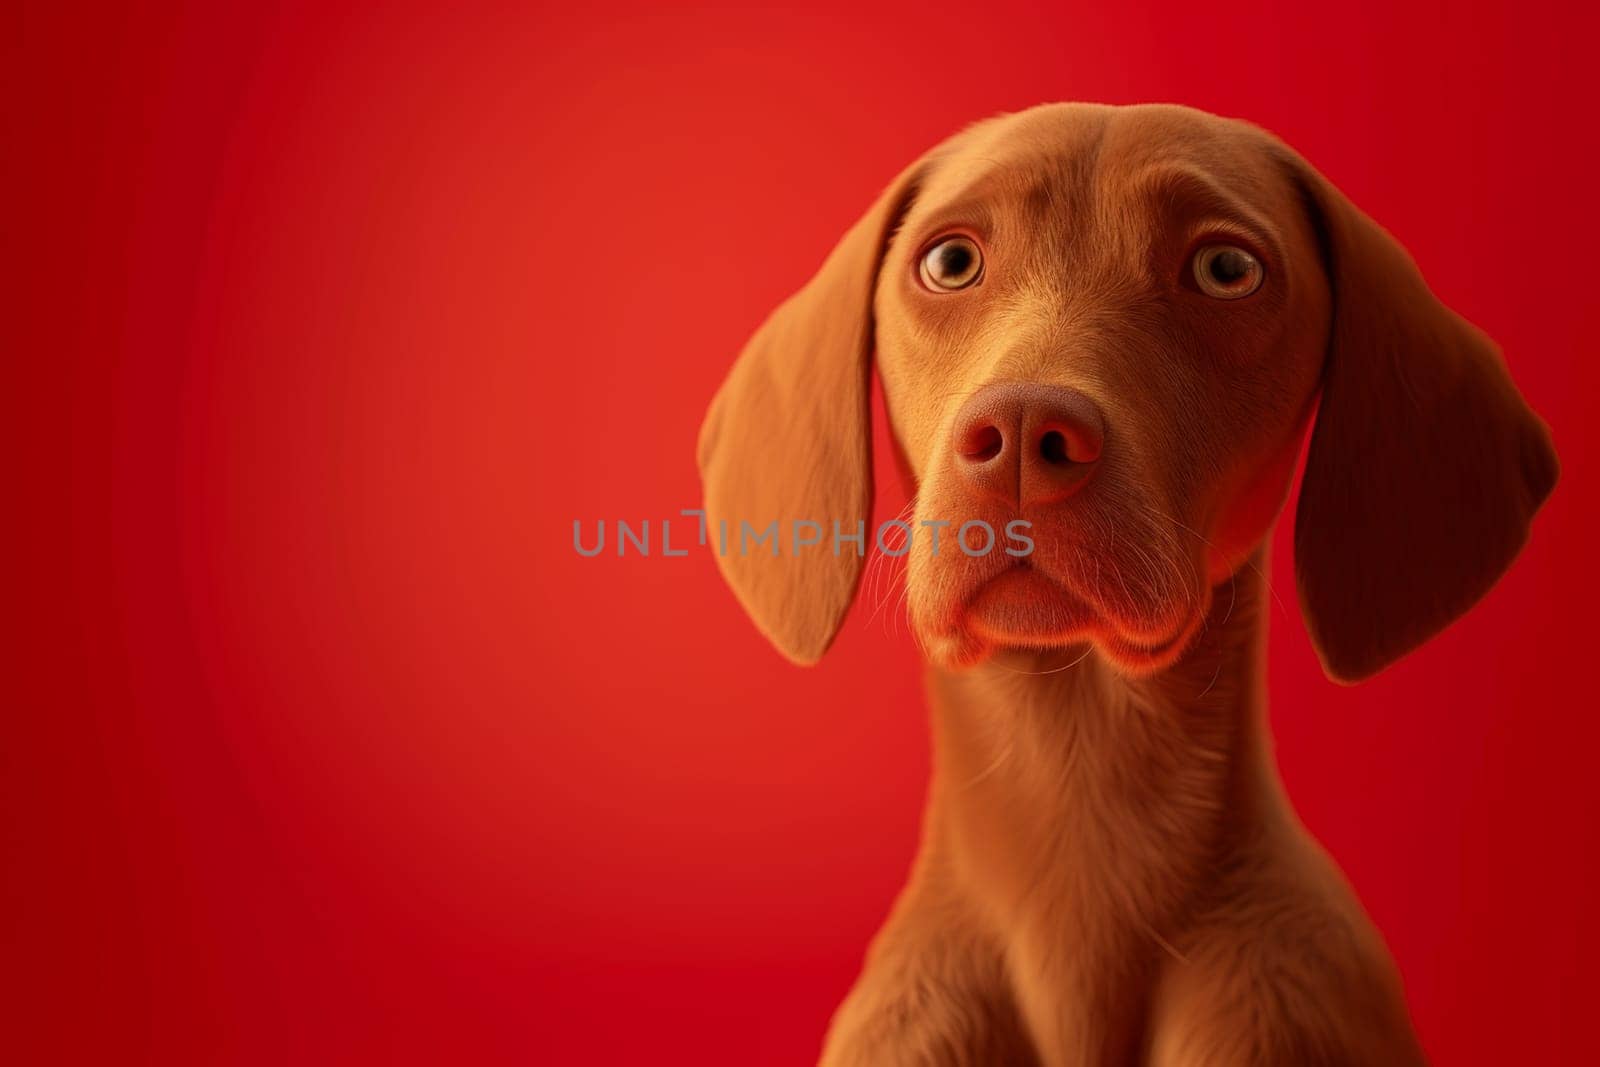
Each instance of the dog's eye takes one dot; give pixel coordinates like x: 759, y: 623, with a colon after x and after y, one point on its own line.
x: 1227, y: 272
x: 954, y: 263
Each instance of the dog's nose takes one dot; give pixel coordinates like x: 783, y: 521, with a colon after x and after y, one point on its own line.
x: 1026, y: 443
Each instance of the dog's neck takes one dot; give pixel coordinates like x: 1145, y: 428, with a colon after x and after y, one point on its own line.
x: 1087, y: 813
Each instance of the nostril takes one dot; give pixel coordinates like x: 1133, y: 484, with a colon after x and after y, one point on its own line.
x: 1068, y: 441
x: 983, y: 444
x: 1053, y: 447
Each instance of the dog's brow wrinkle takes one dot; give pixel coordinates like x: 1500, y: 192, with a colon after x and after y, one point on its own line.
x: 1182, y: 190
x: 976, y: 187
x: 1039, y: 197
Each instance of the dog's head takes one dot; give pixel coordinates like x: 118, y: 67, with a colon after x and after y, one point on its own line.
x: 1113, y: 325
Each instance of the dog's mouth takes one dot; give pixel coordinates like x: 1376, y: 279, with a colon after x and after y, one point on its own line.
x: 1023, y: 604
x: 1026, y: 606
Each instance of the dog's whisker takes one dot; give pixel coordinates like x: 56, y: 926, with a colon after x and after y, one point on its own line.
x: 1002, y: 755
x: 1248, y: 561
x: 1088, y: 650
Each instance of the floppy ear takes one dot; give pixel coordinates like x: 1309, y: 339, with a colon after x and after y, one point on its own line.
x: 1426, y: 465
x: 788, y: 439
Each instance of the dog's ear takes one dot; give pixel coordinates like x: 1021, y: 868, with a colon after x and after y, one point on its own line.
x: 788, y: 439
x: 1426, y: 466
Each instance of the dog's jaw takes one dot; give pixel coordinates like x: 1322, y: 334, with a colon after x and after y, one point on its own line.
x: 966, y: 617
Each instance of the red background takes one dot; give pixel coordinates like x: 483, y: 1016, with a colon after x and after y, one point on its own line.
x: 323, y: 746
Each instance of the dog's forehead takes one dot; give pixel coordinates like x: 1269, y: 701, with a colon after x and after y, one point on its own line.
x: 1057, y: 153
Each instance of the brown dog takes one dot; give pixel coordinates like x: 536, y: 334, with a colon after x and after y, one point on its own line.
x: 1115, y: 324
